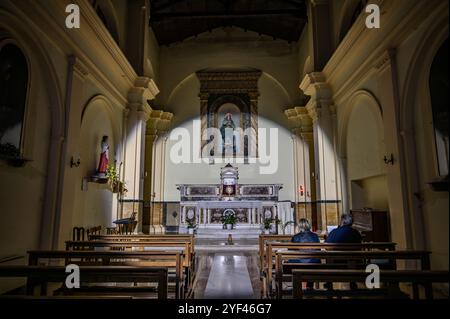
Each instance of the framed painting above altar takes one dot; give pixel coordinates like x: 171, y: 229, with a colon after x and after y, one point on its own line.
x: 229, y: 114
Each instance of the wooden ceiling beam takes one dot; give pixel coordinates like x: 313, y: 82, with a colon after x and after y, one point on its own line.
x: 167, y: 5
x: 158, y: 16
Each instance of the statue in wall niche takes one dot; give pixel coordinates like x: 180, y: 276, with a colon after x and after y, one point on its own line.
x: 104, y: 158
x: 226, y: 129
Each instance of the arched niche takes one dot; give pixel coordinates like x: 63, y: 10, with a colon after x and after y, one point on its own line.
x: 362, y: 145
x: 94, y: 204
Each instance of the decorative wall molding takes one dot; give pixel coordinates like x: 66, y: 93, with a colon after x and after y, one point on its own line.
x: 400, y: 17
x: 229, y: 82
x: 239, y: 88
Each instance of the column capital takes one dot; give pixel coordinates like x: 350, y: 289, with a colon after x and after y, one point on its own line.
x: 300, y: 118
x: 144, y: 90
x: 159, y: 122
x: 314, y: 84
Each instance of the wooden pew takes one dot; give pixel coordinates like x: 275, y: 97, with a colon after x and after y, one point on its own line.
x: 263, y: 239
x: 42, y: 275
x: 272, y: 247
x: 132, y: 237
x: 340, y: 260
x: 425, y: 278
x: 172, y: 260
x: 188, y: 260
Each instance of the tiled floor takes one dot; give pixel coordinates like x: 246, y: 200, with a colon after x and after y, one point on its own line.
x: 225, y: 274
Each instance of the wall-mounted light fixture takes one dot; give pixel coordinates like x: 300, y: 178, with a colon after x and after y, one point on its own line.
x: 74, y: 163
x: 389, y: 160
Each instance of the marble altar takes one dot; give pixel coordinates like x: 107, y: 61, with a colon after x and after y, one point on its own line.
x: 205, y: 204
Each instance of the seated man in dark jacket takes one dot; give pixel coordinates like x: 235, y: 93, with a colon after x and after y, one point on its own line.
x: 305, y: 235
x: 345, y: 233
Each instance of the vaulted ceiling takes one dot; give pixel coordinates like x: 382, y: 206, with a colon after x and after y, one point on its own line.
x: 175, y: 20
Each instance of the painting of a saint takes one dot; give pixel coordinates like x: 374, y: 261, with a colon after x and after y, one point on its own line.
x: 229, y: 116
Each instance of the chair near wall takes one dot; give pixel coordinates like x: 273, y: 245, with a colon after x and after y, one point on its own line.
x: 97, y: 230
x: 126, y: 225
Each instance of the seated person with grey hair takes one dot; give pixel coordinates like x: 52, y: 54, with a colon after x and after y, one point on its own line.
x: 345, y: 233
x: 305, y: 235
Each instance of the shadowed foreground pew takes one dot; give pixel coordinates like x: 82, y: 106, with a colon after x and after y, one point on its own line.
x: 172, y: 260
x: 152, y: 245
x: 335, y: 260
x: 268, y: 268
x: 390, y: 277
x: 41, y: 276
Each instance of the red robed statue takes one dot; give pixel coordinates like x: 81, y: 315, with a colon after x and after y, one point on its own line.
x: 104, y: 157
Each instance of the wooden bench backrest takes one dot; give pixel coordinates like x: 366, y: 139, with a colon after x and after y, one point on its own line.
x: 263, y: 239
x: 272, y: 247
x: 189, y: 238
x: 41, y: 275
x: 71, y: 245
x: 364, y: 257
x: 171, y: 260
x: 388, y: 276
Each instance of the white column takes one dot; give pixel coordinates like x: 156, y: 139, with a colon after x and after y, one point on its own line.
x: 320, y: 108
x: 209, y: 215
x: 139, y: 112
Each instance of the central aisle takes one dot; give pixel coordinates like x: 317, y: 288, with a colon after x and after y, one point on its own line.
x: 229, y: 278
x: 227, y: 275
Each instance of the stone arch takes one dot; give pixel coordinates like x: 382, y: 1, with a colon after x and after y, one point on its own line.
x: 418, y: 77
x: 357, y: 97
x: 102, y: 102
x: 416, y: 92
x: 192, y: 76
x: 364, y: 103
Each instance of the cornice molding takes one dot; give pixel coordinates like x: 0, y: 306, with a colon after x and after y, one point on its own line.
x: 229, y: 82
x: 50, y: 24
x: 345, y: 74
x: 78, y: 66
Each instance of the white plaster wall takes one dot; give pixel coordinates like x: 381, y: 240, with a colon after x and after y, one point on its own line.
x: 248, y: 173
x: 365, y: 145
x: 228, y: 48
x: 271, y: 104
x: 22, y: 188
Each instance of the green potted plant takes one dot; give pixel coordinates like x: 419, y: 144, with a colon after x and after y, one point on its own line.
x: 266, y: 225
x: 191, y: 226
x: 229, y: 220
x: 117, y: 186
